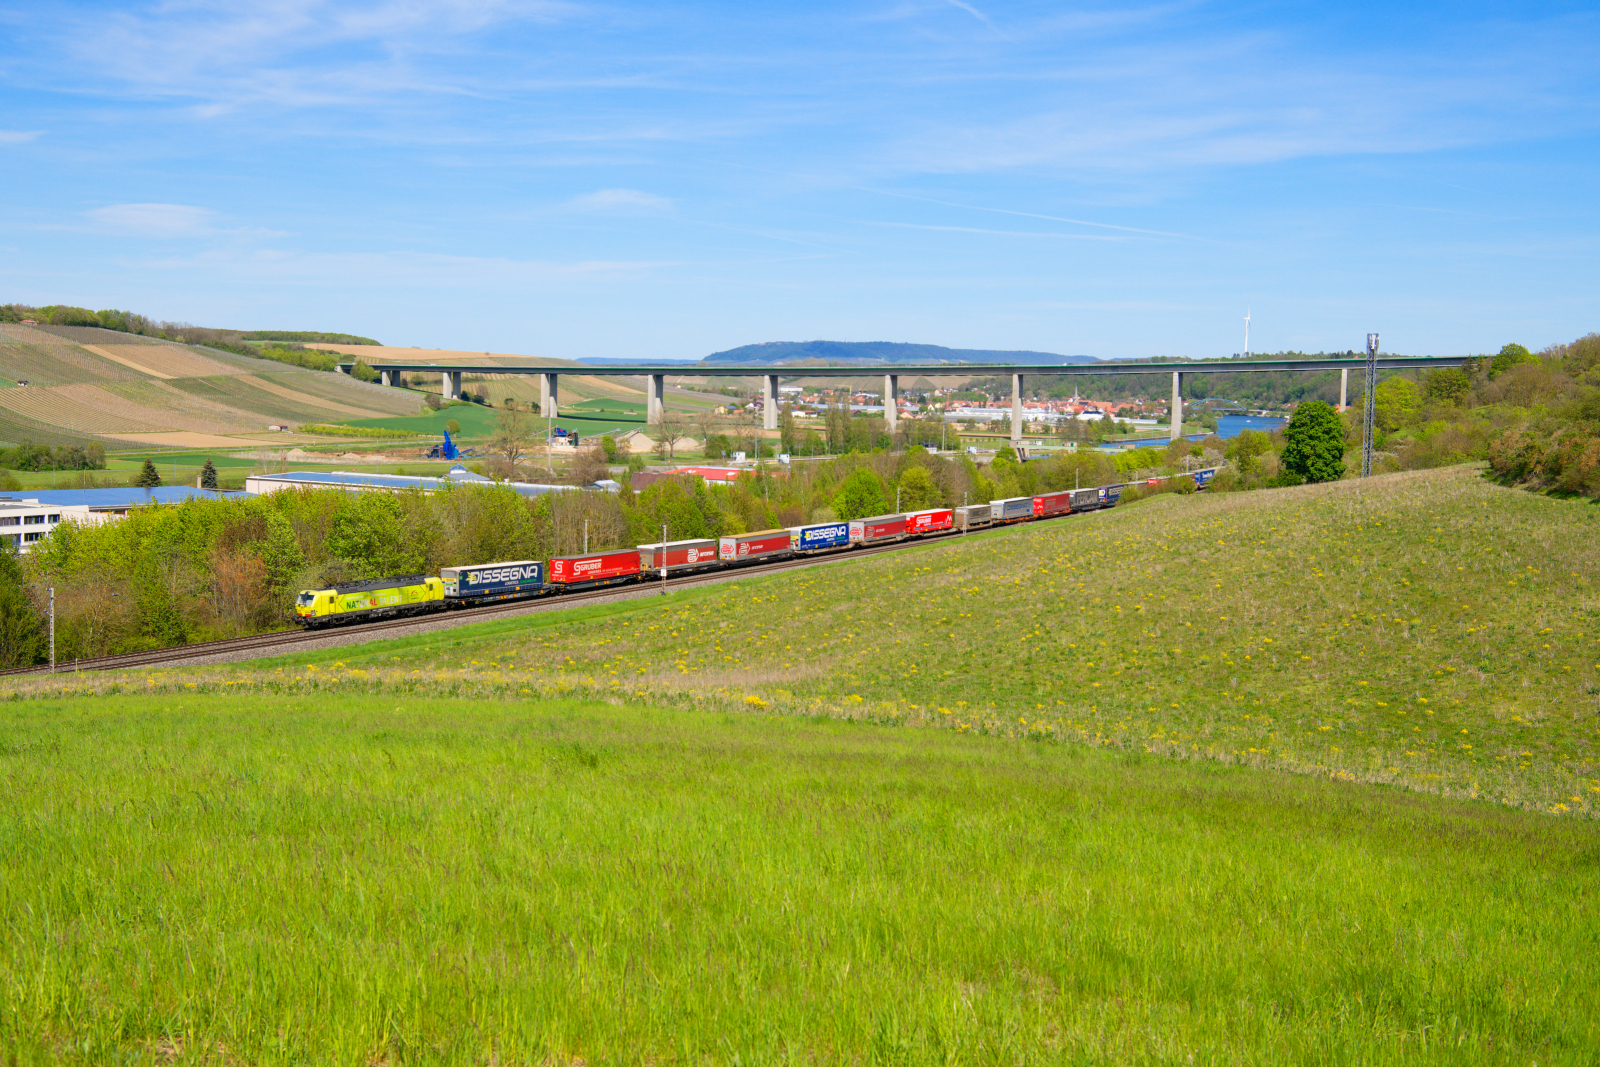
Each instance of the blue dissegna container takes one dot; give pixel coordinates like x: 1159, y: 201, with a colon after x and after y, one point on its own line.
x: 819, y: 537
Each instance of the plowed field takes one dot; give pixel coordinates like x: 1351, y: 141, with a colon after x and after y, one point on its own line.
x: 163, y: 361
x: 345, y: 390
x: 48, y: 405
x: 306, y: 398
x: 58, y: 364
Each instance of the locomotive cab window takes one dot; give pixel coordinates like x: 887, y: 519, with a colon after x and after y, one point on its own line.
x: 305, y: 600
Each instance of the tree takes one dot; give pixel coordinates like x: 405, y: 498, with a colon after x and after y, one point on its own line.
x: 454, y: 427
x: 147, y: 478
x: 1247, y: 449
x: 22, y: 633
x: 1315, y: 443
x: 208, y: 476
x: 859, y: 495
x: 917, y: 490
x: 1510, y: 356
x: 1448, y: 385
x: 363, y: 373
x: 511, y: 439
x: 1395, y: 404
x: 671, y: 428
x: 608, y: 445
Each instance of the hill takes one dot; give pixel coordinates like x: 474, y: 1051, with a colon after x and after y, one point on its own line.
x: 1136, y: 787
x: 127, y: 390
x: 887, y: 352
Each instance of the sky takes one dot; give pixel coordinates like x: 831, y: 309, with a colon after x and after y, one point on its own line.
x: 666, y: 180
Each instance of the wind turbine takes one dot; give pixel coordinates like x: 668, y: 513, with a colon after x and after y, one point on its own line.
x: 1247, y: 333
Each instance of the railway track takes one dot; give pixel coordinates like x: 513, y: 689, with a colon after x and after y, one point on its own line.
x: 286, y: 640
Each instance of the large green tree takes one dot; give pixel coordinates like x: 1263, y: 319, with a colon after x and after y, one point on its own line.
x: 1510, y: 356
x: 1315, y: 443
x: 859, y: 495
x: 22, y: 633
x: 148, y: 477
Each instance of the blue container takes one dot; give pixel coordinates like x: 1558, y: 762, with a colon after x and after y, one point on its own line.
x: 1111, y: 495
x: 492, y: 579
x: 1012, y: 508
x: 820, y: 536
x: 1203, y: 478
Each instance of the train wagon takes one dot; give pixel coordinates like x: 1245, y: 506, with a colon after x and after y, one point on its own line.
x: 929, y: 520
x: 679, y: 557
x: 763, y: 544
x: 877, y: 529
x: 1011, y: 509
x: 1047, y: 504
x: 1087, y: 499
x: 819, y: 537
x: 616, y: 567
x: 404, y: 594
x: 973, y: 516
x: 486, y: 582
x: 1203, y: 478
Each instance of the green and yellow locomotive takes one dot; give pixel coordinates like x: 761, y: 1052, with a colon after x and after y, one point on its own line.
x: 409, y: 594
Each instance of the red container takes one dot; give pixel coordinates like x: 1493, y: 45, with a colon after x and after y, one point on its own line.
x: 931, y: 521
x: 1052, y: 504
x: 680, y: 555
x: 877, y: 528
x: 598, y: 567
x: 737, y: 547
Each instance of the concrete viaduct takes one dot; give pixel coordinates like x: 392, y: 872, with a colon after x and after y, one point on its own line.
x: 655, y: 376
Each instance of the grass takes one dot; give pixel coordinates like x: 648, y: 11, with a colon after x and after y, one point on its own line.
x: 1427, y: 630
x: 478, y: 421
x: 374, y: 879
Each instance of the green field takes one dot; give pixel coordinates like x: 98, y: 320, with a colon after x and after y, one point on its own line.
x: 478, y: 422
x: 1427, y: 630
x: 1301, y: 775
x: 359, y: 880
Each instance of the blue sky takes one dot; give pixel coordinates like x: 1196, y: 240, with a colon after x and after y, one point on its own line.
x: 667, y: 180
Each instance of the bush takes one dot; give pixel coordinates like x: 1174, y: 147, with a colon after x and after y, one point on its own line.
x: 1314, y: 443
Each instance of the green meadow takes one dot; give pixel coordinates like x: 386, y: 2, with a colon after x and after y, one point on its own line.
x: 1298, y: 776
x: 348, y: 879
x: 1428, y: 630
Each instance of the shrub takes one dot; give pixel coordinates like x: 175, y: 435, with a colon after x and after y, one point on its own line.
x: 1314, y: 443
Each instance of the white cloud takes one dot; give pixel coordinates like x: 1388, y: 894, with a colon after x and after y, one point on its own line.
x: 620, y: 202
x: 154, y: 220
x: 377, y: 270
x: 18, y: 136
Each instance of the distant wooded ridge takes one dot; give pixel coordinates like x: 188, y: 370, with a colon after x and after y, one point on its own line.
x: 771, y: 352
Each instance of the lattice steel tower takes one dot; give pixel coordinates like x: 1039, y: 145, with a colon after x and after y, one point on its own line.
x: 1371, y: 404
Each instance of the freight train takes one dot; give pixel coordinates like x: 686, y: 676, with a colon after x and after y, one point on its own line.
x: 489, y: 583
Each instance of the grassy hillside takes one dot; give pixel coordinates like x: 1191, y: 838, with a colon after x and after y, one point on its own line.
x: 1426, y: 630
x: 130, y: 391
x: 351, y: 879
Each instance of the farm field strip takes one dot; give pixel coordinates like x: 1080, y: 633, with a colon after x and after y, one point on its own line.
x: 344, y: 390
x: 333, y: 406
x: 70, y: 411
x: 164, y: 361
x: 57, y: 363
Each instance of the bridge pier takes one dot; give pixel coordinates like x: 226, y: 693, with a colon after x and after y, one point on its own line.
x: 549, y: 394
x: 1344, y: 388
x: 1177, y: 405
x: 450, y: 384
x: 655, y: 398
x: 385, y: 377
x: 1016, y: 411
x: 891, y: 401
x: 769, y: 401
